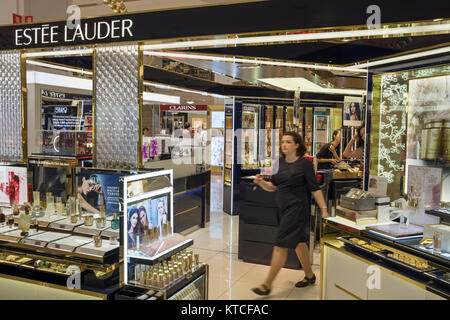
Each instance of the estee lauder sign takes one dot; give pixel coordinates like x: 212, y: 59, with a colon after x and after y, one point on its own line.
x: 46, y: 34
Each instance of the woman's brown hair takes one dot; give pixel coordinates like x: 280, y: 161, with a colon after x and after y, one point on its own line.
x: 301, y: 150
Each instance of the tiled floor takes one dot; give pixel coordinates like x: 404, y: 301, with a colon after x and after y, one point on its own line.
x: 232, y: 279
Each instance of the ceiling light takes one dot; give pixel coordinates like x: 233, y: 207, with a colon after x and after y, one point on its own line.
x: 402, y: 58
x: 167, y: 87
x: 158, y: 97
x: 255, y: 61
x: 57, y: 67
x: 190, y: 102
x: 59, y: 53
x: 381, y: 32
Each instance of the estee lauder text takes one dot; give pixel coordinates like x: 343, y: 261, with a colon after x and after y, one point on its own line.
x: 46, y: 34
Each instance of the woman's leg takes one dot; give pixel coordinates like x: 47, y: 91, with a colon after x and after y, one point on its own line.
x: 279, y: 257
x: 303, y: 255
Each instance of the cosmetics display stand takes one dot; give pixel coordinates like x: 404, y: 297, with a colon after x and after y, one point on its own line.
x: 157, y: 266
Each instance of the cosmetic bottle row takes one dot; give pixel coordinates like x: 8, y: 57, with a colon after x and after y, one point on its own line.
x: 167, y: 272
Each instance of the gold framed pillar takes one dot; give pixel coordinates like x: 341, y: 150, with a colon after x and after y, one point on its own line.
x: 117, y: 106
x: 12, y: 105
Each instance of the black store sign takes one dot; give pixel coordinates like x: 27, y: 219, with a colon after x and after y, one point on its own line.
x: 88, y: 31
x: 212, y: 20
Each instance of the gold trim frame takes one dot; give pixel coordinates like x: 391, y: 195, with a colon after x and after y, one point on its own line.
x: 24, y: 106
x: 140, y: 97
x: 94, y: 102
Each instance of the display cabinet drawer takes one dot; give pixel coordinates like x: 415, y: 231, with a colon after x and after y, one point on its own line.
x: 252, y: 213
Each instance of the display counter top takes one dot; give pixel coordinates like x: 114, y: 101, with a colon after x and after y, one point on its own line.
x: 433, y: 280
x: 408, y: 244
x: 403, y: 256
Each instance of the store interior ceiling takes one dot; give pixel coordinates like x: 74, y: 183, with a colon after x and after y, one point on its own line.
x: 208, y: 80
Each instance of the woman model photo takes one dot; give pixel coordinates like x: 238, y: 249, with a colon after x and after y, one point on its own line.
x: 135, y: 228
x: 294, y: 183
x: 355, y: 112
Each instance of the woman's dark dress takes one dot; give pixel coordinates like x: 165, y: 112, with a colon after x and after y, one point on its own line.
x: 295, y: 181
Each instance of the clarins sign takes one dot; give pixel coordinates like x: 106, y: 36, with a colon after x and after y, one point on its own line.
x: 183, y: 108
x: 61, y: 35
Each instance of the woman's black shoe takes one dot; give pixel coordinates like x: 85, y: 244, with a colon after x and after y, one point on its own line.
x: 266, y: 291
x: 306, y: 281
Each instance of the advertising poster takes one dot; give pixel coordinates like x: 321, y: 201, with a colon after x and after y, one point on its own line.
x: 13, y: 185
x: 97, y: 189
x: 428, y: 106
x: 427, y: 181
x: 217, y: 145
x: 147, y: 214
x: 353, y: 111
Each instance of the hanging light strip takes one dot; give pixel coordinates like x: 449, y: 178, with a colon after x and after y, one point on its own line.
x: 402, y: 58
x: 59, y: 53
x: 253, y: 61
x: 167, y: 87
x: 380, y: 32
x: 53, y: 66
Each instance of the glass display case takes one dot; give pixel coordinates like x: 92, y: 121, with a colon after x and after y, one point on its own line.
x: 321, y: 134
x: 289, y: 119
x: 228, y: 148
x: 155, y: 258
x: 249, y: 136
x: 308, y: 130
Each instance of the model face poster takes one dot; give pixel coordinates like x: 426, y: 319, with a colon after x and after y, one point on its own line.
x: 353, y: 111
x: 427, y: 181
x: 146, y: 214
x: 98, y: 189
x: 13, y: 185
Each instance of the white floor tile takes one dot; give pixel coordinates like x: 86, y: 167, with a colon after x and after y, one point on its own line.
x: 218, y: 286
x: 242, y: 291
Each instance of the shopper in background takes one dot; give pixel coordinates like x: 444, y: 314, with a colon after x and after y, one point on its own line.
x: 294, y: 183
x: 145, y: 132
x: 328, y: 154
x: 360, y: 138
x: 187, y: 131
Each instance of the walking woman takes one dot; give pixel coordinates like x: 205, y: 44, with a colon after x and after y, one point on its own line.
x: 294, y: 183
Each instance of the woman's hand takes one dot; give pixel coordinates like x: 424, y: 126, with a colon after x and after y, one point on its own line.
x: 258, y: 179
x: 324, y: 212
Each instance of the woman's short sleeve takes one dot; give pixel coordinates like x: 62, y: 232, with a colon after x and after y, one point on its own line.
x: 273, y: 179
x: 310, y: 175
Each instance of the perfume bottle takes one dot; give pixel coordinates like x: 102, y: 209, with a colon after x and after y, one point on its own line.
x: 115, y: 223
x: 50, y: 210
x: 24, y: 222
x: 10, y: 221
x: 36, y: 199
x: 59, y: 206
x: 69, y: 206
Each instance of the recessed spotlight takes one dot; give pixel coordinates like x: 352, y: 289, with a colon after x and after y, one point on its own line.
x: 190, y: 102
